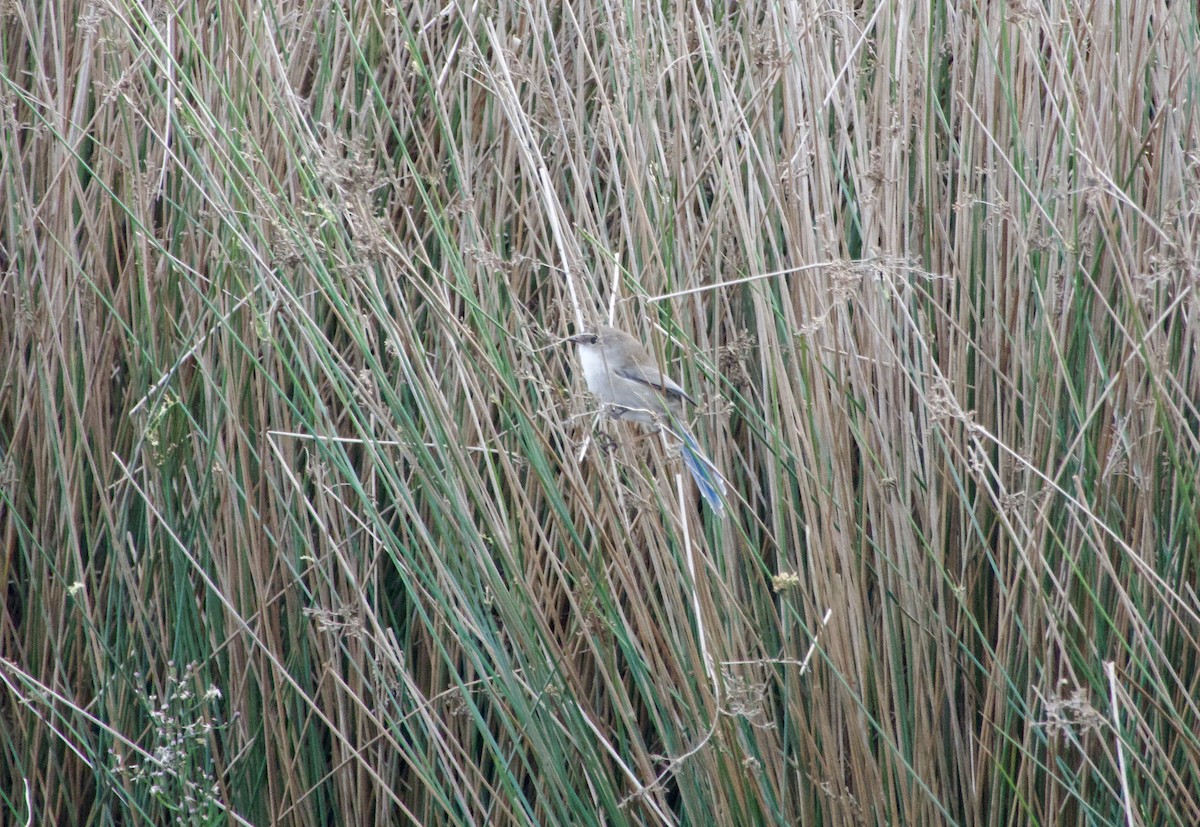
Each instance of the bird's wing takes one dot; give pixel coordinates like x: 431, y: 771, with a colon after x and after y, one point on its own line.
x: 646, y: 375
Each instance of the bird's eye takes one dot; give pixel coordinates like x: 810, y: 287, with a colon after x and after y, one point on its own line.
x: 593, y: 339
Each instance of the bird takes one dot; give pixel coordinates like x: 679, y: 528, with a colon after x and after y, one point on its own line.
x: 622, y: 375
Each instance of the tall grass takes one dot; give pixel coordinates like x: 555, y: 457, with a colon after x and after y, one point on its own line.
x: 308, y: 519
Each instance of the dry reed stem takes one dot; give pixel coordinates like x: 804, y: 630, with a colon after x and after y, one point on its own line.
x: 283, y: 417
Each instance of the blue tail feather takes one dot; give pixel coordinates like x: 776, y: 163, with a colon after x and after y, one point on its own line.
x: 708, y: 480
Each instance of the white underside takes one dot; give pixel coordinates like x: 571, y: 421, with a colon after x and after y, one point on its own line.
x: 640, y: 402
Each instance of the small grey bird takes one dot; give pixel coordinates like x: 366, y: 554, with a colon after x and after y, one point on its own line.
x: 620, y: 372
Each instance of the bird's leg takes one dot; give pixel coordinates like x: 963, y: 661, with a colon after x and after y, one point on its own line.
x: 638, y: 415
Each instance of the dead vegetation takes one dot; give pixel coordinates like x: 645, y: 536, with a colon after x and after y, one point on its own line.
x: 306, y: 520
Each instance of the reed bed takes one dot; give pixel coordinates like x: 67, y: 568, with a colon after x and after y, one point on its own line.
x: 307, y: 517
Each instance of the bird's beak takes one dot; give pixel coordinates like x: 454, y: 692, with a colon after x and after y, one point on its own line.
x: 581, y: 338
